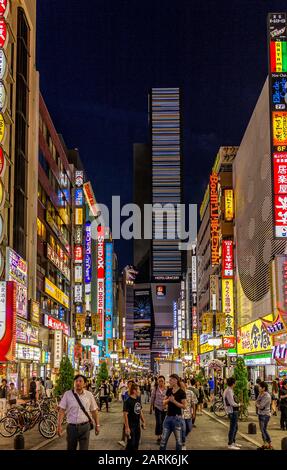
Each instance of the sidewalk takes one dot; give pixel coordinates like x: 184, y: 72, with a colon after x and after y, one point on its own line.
x: 273, y: 427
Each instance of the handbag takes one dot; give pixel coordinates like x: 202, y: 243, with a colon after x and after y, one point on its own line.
x: 83, y: 410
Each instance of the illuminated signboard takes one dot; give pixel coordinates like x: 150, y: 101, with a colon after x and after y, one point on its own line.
x: 56, y: 293
x: 54, y: 324
x: 7, y: 321
x: 58, y: 348
x: 214, y: 219
x: 79, y: 216
x: 28, y: 353
x: 228, y: 205
x: 79, y: 178
x: 26, y: 333
x: 109, y: 292
x: 160, y: 291
x: 277, y: 40
x: 101, y: 279
x: 4, y: 8
x: 16, y: 267
x: 193, y: 274
x: 56, y: 260
x: 3, y: 64
x: 71, y: 350
x: 3, y: 34
x: 78, y: 235
x: 228, y: 306
x: 88, y: 254
x: 78, y: 291
x: 78, y: 254
x: 79, y: 197
x: 34, y: 312
x: 90, y: 198
x: 253, y: 337
x: 78, y: 273
x: 227, y: 258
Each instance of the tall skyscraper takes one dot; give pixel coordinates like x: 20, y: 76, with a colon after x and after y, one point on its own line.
x: 166, y: 142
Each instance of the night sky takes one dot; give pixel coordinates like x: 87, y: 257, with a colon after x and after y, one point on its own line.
x: 97, y: 59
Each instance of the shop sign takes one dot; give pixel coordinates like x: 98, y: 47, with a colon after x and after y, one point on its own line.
x: 207, y: 323
x: 56, y: 293
x: 90, y: 198
x: 214, y: 219
x: 78, y: 216
x: 3, y: 34
x: 78, y: 236
x: 78, y: 291
x: 276, y: 327
x: 79, y: 197
x: 228, y: 205
x: 7, y: 321
x: 220, y: 323
x: 21, y: 300
x: 55, y: 324
x: 28, y: 353
x: 214, y: 292
x: 279, y: 91
x: 227, y: 258
x: 253, y: 337
x: 279, y: 352
x: 78, y: 273
x: 80, y: 323
x: 194, y: 318
x: 71, y: 350
x: 26, y: 333
x: 4, y: 8
x: 109, y: 292
x: 56, y: 260
x: 79, y: 178
x: 100, y: 280
x: 229, y: 342
x: 16, y: 267
x: 228, y: 306
x: 2, y: 162
x: 88, y: 254
x: 193, y: 274
x: 78, y: 254
x: 34, y: 312
x: 58, y: 348
x: 205, y: 348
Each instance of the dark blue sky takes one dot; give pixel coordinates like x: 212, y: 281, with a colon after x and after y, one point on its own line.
x: 97, y: 59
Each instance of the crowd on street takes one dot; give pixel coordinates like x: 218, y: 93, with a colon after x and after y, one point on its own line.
x: 176, y: 403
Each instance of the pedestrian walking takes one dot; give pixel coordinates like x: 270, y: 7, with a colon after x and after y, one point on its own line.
x: 157, y: 397
x: 133, y: 415
x: 33, y: 389
x: 104, y: 394
x: 188, y: 413
x: 123, y: 389
x: 263, y: 407
x: 283, y: 405
x: 12, y: 395
x: 126, y: 395
x: 232, y: 410
x: 49, y: 387
x: 79, y: 405
x: 275, y: 397
x: 3, y: 397
x: 195, y: 390
x: 175, y: 401
x: 201, y: 397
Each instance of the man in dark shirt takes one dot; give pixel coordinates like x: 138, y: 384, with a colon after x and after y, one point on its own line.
x: 283, y: 405
x: 133, y: 415
x: 175, y: 401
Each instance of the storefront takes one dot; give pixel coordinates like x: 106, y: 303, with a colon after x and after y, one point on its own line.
x: 28, y: 358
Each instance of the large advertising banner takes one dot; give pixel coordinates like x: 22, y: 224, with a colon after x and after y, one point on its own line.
x: 17, y: 270
x: 228, y: 307
x: 101, y: 280
x: 253, y: 337
x: 142, y: 319
x: 109, y: 293
x: 277, y: 42
x: 214, y: 219
x: 7, y: 321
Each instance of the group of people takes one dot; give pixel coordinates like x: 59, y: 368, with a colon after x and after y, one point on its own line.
x: 264, y: 405
x: 39, y: 389
x: 8, y: 396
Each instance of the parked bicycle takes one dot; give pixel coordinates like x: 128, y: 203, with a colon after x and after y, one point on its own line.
x: 25, y: 417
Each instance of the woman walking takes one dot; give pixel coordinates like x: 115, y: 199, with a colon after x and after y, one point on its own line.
x: 275, y: 397
x: 200, y: 397
x: 188, y: 413
x: 263, y: 407
x: 157, y: 397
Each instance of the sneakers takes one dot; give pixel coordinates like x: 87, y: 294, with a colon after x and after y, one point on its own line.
x: 233, y: 447
x: 237, y: 445
x: 122, y: 443
x: 183, y: 447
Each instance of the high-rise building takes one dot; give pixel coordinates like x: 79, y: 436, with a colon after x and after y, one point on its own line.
x: 19, y: 84
x: 166, y: 148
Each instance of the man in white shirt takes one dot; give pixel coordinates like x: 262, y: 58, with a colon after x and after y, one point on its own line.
x: 79, y: 427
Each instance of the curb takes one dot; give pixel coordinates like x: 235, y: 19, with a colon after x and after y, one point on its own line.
x: 245, y: 436
x: 47, y: 442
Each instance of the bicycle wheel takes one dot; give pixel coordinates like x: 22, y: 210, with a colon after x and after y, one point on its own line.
x: 47, y: 428
x: 8, y: 426
x: 219, y: 410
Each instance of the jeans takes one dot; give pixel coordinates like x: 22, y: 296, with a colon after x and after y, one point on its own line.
x: 78, y: 434
x: 233, y: 418
x: 172, y: 424
x: 186, y: 428
x: 134, y: 440
x: 106, y: 401
x: 263, y: 423
x: 159, y: 419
